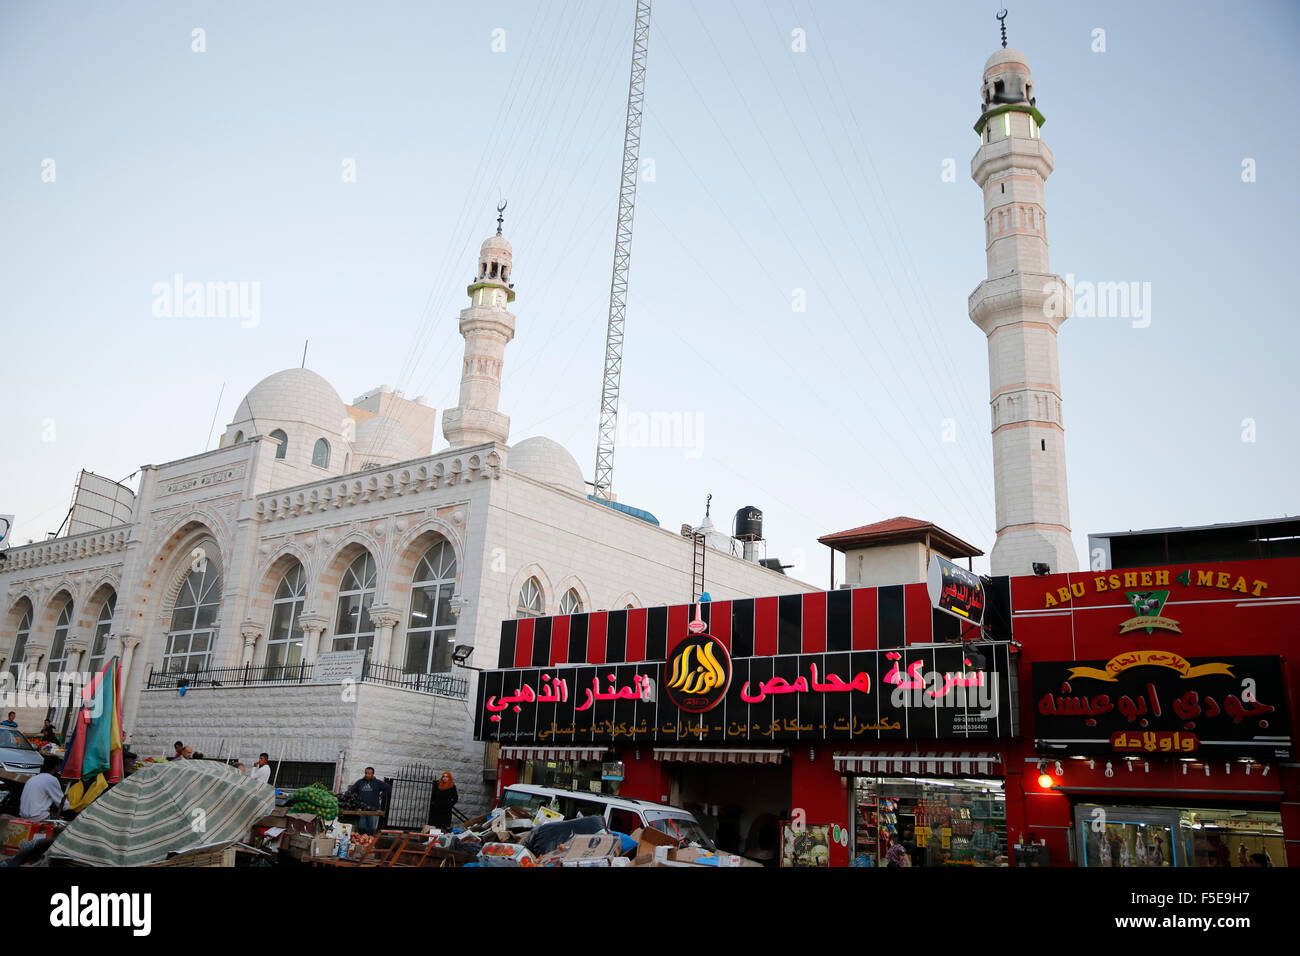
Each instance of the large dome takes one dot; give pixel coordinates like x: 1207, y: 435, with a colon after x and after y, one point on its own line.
x: 383, y: 441
x: 547, y: 461
x: 294, y: 395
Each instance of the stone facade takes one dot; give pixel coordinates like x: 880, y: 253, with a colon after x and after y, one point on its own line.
x: 258, y: 520
x: 1020, y: 307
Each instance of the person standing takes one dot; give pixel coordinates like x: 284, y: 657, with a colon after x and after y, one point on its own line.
x: 261, y: 771
x: 896, y: 855
x: 9, y: 721
x: 370, y: 791
x: 48, y: 734
x: 444, y: 798
x: 43, y: 792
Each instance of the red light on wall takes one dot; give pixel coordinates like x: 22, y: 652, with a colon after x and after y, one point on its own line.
x: 1045, y: 781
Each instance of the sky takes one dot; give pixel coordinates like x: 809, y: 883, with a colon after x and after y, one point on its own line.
x: 806, y: 237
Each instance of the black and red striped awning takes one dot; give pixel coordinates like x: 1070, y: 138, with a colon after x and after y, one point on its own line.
x: 735, y: 755
x: 949, y: 764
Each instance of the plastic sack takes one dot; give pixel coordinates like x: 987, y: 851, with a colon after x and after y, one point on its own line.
x: 548, y: 836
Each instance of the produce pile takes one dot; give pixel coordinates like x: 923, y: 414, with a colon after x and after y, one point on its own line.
x: 315, y: 799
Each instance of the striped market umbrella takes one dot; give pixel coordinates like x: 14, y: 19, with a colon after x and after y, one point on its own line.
x: 162, y: 809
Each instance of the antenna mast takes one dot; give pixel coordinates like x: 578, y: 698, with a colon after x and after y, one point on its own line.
x: 622, y: 259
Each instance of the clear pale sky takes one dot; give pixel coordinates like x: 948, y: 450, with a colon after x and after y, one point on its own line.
x: 773, y: 171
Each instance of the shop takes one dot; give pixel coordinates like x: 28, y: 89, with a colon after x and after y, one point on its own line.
x: 766, y: 717
x: 1158, y: 727
x: 1137, y: 717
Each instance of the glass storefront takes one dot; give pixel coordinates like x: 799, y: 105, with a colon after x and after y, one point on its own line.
x: 938, y: 822
x: 1170, y: 836
x: 582, y: 775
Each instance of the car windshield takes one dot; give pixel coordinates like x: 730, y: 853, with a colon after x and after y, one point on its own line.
x: 14, y: 740
x: 517, y: 798
x: 683, y: 829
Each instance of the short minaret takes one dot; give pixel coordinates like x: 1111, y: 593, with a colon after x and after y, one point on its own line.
x: 487, y: 326
x: 1020, y: 307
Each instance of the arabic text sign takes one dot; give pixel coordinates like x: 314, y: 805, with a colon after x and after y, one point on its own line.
x: 1157, y: 702
x: 922, y: 693
x: 955, y: 590
x: 336, y: 667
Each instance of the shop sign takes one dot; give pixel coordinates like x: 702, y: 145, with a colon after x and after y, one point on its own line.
x: 954, y: 590
x: 1137, y: 587
x: 699, y: 674
x: 1158, y: 702
x: 925, y: 693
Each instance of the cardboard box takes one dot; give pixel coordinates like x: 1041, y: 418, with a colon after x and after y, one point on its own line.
x: 510, y: 851
x: 307, y: 823
x: 18, y: 831
x: 323, y: 846
x: 296, y: 845
x: 585, y: 849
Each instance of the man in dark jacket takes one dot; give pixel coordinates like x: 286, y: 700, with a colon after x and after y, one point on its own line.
x: 370, y: 791
x: 444, y: 798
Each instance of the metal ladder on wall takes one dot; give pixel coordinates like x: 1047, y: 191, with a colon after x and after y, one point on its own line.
x: 697, y: 566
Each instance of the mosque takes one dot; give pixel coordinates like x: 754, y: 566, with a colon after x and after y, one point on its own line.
x: 323, y: 584
x: 315, y: 583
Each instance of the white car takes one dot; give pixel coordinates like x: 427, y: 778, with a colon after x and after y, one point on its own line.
x: 621, y: 814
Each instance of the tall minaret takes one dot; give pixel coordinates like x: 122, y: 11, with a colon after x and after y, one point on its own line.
x: 1020, y: 307
x: 487, y: 327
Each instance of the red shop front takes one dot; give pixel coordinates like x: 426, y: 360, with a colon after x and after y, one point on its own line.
x: 1156, y: 711
x: 855, y: 715
x: 846, y: 716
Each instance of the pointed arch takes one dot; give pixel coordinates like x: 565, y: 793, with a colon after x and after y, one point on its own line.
x: 572, y: 583
x: 547, y: 596
x: 624, y: 600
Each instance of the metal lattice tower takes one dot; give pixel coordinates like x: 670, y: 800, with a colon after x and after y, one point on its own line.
x: 622, y: 259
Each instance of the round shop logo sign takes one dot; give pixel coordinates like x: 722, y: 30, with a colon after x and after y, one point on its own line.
x: 700, y: 673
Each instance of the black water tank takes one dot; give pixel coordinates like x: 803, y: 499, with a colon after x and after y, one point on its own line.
x: 749, y: 524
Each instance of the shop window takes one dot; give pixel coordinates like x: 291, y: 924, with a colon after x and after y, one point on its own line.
x: 937, y: 822
x: 1112, y: 836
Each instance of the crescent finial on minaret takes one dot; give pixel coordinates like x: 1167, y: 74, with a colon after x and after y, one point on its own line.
x: 1002, y: 22
x: 502, y: 208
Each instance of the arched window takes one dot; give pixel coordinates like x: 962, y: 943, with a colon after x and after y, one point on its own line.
x: 283, y: 439
x: 239, y: 436
x: 194, y: 619
x: 20, y: 644
x: 431, y: 628
x: 284, y: 644
x: 571, y: 603
x: 353, y: 630
x: 320, y: 455
x: 59, y: 646
x: 530, y: 599
x: 99, y: 644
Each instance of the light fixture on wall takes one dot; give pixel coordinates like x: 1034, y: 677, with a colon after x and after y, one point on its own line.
x: 1110, y: 770
x: 1044, y: 778
x: 460, y: 653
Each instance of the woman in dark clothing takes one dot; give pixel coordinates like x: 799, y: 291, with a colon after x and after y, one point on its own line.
x: 444, y: 798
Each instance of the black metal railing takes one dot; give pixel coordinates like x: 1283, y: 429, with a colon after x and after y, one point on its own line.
x: 454, y: 684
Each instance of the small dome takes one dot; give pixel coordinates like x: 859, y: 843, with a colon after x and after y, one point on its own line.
x: 1006, y: 56
x: 293, y: 395
x: 383, y: 441
x: 547, y: 461
x: 498, y: 245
